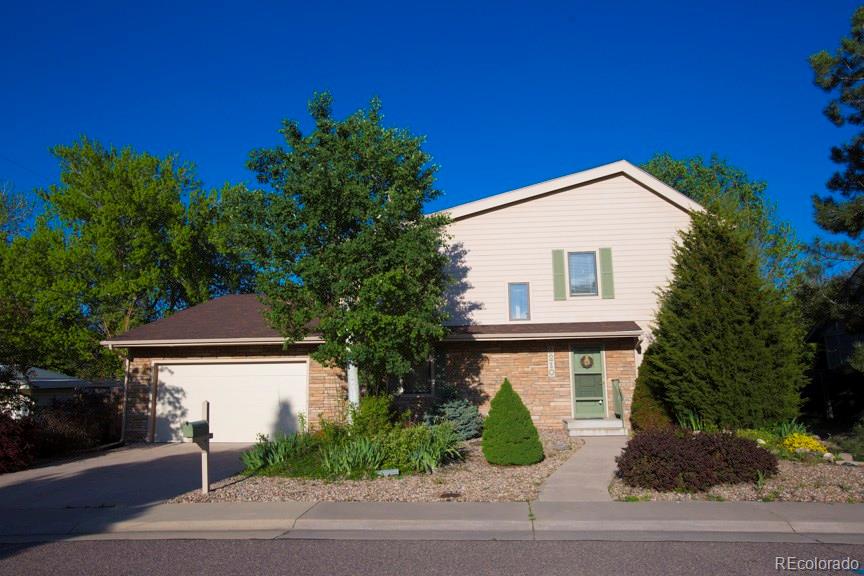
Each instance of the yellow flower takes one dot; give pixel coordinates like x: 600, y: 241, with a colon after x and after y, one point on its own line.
x: 798, y: 441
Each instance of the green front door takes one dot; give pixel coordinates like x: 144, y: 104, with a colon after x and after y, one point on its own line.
x: 588, y: 399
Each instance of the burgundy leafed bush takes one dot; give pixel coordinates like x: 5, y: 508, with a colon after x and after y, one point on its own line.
x: 17, y: 449
x: 668, y: 460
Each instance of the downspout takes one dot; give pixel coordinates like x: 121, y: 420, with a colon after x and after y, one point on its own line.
x: 123, y: 413
x: 125, y: 389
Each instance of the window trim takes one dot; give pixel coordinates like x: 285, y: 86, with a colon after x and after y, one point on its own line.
x: 596, y: 276
x: 527, y: 298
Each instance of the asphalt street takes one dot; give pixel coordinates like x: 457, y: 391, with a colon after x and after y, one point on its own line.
x: 379, y: 558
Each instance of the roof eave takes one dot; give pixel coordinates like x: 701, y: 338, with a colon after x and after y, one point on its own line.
x: 204, y: 342
x: 619, y: 168
x: 462, y: 337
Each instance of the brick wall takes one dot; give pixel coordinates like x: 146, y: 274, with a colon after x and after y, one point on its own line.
x: 477, y: 369
x: 327, y: 388
x: 621, y: 364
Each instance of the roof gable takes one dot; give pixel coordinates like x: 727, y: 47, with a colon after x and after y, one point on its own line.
x: 564, y: 183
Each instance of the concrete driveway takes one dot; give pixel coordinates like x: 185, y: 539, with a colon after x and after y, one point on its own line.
x: 130, y: 476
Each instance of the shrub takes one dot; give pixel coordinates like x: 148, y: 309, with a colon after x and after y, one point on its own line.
x: 737, y: 459
x: 669, y: 460
x: 373, y: 416
x: 464, y: 416
x: 17, y: 448
x: 356, y: 458
x: 727, y: 345
x: 509, y: 435
x: 798, y: 441
x: 87, y: 420
x: 647, y: 412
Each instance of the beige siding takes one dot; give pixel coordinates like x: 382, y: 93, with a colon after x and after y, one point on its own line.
x: 515, y: 243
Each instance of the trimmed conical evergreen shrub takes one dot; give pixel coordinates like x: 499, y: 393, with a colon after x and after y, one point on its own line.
x: 647, y: 412
x: 727, y: 348
x: 509, y: 435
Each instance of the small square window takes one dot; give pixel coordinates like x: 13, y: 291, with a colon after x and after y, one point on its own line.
x: 520, y: 307
x: 583, y: 273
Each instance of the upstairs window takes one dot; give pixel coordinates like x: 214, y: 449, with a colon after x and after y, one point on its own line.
x: 519, y: 301
x: 582, y: 268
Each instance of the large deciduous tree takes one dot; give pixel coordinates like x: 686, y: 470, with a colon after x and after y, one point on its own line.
x: 841, y: 74
x: 126, y: 238
x: 340, y: 238
x: 727, y: 346
x: 728, y: 191
x: 140, y: 227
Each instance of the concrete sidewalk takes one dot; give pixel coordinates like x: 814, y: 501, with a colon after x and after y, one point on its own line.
x: 586, y: 475
x: 731, y: 521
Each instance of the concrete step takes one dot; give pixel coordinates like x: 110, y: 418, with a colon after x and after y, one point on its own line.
x: 595, y: 427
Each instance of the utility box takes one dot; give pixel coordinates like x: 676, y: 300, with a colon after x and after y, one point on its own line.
x: 196, y: 430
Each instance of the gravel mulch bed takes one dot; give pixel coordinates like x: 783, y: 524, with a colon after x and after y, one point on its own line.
x: 795, y: 482
x: 472, y: 480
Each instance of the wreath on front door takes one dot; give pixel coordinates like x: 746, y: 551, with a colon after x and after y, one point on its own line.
x: 586, y: 361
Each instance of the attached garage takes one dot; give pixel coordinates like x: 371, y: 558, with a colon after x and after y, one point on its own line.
x: 246, y: 398
x: 223, y: 351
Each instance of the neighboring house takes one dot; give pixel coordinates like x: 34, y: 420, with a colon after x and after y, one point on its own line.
x: 556, y: 288
x: 46, y: 386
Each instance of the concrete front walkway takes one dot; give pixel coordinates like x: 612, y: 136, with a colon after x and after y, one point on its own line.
x: 586, y: 475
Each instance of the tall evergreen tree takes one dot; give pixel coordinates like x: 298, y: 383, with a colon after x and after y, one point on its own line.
x: 841, y: 74
x: 729, y: 191
x: 727, y: 346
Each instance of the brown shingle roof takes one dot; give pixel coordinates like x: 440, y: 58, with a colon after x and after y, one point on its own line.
x: 241, y: 317
x: 226, y: 317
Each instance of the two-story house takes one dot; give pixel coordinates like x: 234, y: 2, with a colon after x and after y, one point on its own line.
x: 555, y: 288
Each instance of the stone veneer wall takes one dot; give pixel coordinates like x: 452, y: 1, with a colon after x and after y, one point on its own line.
x: 477, y: 369
x: 327, y: 388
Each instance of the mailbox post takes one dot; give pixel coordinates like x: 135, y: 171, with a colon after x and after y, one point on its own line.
x: 199, y: 432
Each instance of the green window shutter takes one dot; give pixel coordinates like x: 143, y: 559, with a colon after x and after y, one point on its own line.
x: 607, y: 279
x: 559, y: 278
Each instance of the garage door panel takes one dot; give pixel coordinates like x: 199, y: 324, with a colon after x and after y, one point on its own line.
x: 245, y: 399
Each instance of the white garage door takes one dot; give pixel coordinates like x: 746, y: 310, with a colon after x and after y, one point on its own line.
x: 246, y: 399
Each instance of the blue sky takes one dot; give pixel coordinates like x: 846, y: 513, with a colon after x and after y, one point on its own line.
x: 508, y: 94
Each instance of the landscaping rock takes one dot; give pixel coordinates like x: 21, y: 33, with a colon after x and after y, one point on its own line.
x: 828, y: 457
x: 795, y: 482
x: 473, y: 480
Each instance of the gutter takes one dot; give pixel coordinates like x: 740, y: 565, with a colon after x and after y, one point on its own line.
x: 111, y: 344
x: 542, y: 336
